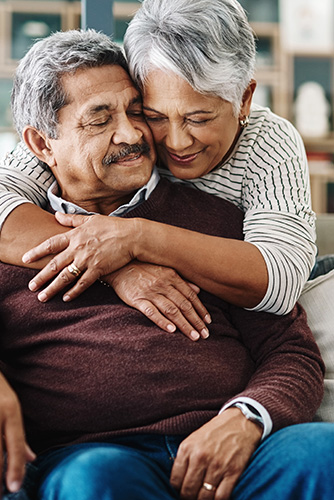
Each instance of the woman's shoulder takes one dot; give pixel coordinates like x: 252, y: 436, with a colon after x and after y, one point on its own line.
x: 267, y: 132
x: 263, y: 121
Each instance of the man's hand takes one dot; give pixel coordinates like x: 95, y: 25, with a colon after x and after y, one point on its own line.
x: 13, y: 439
x: 216, y: 454
x: 163, y: 296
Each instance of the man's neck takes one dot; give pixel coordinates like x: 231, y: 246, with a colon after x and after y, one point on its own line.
x: 103, y: 206
x: 120, y: 204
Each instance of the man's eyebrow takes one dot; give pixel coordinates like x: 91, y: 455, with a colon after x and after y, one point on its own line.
x: 106, y: 107
x: 93, y: 110
x: 136, y: 100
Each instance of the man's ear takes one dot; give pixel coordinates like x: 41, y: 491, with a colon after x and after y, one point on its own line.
x: 247, y: 99
x: 39, y: 145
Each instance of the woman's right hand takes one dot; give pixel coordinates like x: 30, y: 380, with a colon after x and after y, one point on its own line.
x: 163, y: 296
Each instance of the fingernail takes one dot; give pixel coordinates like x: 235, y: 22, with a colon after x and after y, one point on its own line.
x: 194, y: 335
x: 26, y: 258
x: 66, y: 298
x: 32, y: 286
x: 205, y: 333
x: 208, y: 319
x: 14, y: 486
x: 171, y: 328
x: 42, y: 297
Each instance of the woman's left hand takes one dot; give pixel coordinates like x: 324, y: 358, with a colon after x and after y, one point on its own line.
x: 87, y: 247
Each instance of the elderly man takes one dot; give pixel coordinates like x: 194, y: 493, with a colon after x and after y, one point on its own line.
x: 113, y: 407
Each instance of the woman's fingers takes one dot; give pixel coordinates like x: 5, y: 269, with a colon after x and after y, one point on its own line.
x: 163, y: 296
x: 51, y: 246
x: 168, y: 316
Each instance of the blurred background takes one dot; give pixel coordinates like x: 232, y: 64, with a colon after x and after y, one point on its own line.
x: 295, y: 64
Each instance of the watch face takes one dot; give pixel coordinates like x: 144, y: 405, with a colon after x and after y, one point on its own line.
x: 250, y: 413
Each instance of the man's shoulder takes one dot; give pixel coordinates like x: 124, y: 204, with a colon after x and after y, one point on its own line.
x: 191, y: 208
x: 197, y: 197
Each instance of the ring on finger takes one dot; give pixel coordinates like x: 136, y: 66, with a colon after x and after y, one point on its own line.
x: 209, y: 487
x: 73, y: 269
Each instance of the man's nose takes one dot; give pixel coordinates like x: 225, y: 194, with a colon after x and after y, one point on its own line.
x: 178, y: 138
x: 126, y: 132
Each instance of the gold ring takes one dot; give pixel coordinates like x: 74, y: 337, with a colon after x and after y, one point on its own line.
x: 73, y: 269
x: 209, y: 487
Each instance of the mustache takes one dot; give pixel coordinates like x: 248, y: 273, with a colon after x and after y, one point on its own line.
x: 125, y: 151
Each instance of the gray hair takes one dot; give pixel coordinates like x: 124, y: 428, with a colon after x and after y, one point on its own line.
x: 208, y: 43
x: 37, y: 94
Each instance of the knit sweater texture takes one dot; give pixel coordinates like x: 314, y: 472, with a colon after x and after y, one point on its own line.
x: 94, y: 368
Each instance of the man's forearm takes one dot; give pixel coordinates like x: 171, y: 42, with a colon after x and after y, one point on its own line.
x: 231, y: 269
x: 26, y: 227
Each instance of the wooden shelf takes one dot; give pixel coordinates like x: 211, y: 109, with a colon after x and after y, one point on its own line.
x: 320, y: 144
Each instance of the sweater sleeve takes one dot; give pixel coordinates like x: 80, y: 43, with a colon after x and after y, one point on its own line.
x: 23, y: 179
x: 289, y: 371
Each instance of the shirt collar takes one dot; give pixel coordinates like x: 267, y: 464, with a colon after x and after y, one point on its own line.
x: 60, y: 205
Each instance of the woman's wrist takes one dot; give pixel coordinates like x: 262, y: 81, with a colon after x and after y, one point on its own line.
x: 142, y: 238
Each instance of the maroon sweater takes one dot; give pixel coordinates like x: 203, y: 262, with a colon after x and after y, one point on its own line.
x: 95, y: 368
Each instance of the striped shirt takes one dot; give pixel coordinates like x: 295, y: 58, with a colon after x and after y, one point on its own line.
x: 266, y: 176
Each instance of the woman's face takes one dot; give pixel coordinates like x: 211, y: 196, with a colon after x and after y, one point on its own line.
x: 193, y: 132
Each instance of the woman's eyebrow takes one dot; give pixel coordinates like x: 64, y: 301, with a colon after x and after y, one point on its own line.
x: 199, y: 111
x: 195, y: 112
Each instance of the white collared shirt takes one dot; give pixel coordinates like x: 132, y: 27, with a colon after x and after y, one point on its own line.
x: 58, y: 204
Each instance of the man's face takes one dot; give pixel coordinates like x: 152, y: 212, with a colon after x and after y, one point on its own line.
x: 104, y: 151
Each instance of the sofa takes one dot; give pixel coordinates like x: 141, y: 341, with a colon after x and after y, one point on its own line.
x: 318, y: 300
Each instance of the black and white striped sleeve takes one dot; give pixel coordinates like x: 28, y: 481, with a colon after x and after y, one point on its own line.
x: 278, y: 217
x: 23, y: 179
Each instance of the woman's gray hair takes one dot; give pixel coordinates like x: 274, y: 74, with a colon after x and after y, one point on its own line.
x: 38, y: 94
x: 209, y: 43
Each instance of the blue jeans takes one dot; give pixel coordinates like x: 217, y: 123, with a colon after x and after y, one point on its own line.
x: 295, y: 463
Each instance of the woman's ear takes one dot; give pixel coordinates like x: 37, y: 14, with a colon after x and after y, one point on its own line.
x: 39, y: 145
x: 247, y: 99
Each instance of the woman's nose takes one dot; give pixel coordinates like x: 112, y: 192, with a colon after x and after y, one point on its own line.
x: 178, y: 138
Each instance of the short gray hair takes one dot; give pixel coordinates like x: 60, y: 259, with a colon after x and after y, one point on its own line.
x: 37, y: 94
x: 209, y: 43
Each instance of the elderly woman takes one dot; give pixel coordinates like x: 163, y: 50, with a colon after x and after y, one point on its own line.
x: 194, y: 63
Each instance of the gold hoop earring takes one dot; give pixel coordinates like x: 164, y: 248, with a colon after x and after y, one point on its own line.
x: 244, y: 122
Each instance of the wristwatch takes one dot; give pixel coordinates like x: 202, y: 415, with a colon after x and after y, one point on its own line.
x: 250, y: 413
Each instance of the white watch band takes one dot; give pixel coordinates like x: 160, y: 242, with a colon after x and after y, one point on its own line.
x: 250, y: 413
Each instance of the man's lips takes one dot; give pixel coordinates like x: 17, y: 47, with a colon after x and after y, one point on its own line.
x: 129, y: 158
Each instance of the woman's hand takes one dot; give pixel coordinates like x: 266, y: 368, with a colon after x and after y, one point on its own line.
x: 158, y: 292
x: 216, y: 454
x: 97, y: 246
x: 163, y: 296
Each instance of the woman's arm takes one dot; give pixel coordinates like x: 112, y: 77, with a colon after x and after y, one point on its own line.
x: 26, y: 226
x: 159, y: 293
x: 231, y: 269
x: 24, y: 182
x: 23, y: 178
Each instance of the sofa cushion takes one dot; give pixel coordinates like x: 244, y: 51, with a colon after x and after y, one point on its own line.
x: 318, y: 300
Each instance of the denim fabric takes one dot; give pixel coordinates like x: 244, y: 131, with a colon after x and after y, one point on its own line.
x: 295, y: 463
